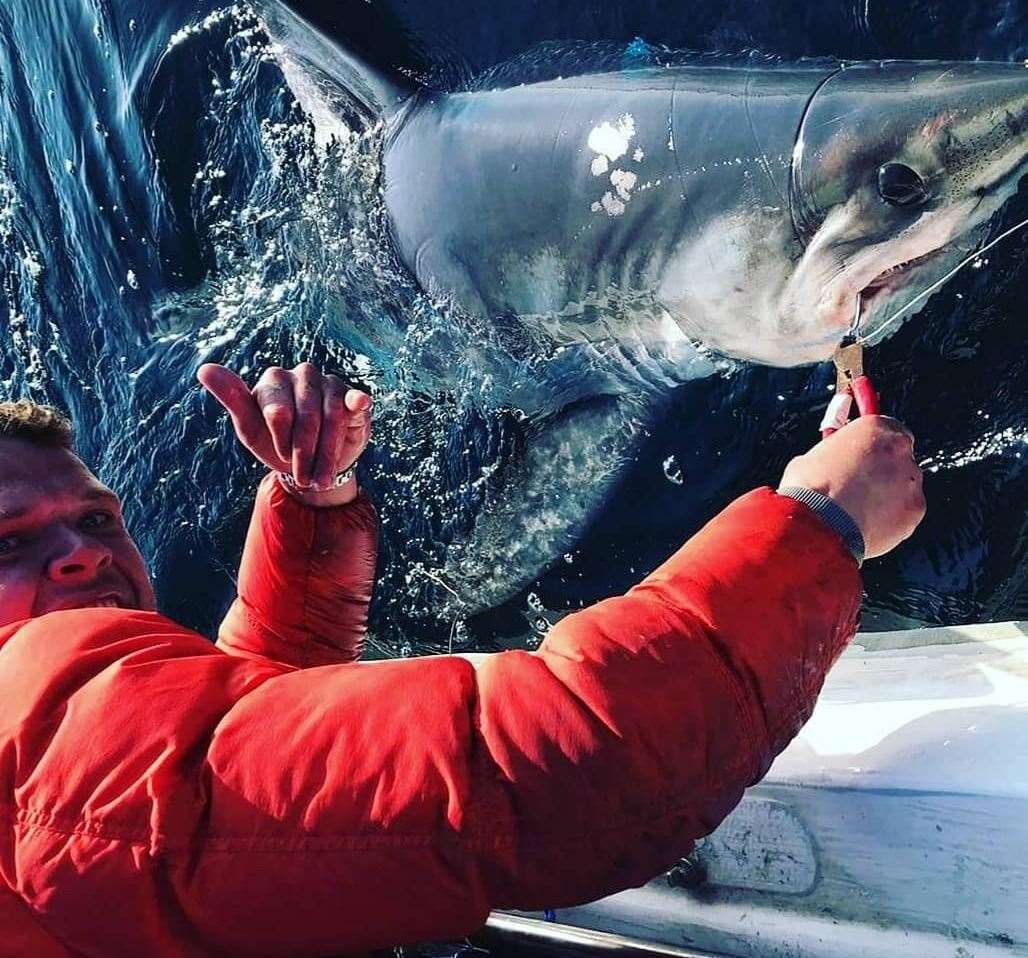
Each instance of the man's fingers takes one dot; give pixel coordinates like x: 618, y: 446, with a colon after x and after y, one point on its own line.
x: 274, y: 396
x: 358, y: 401
x: 335, y: 421
x: 298, y: 421
x: 875, y: 430
x: 360, y: 406
x: 307, y: 423
x: 359, y: 428
x: 345, y: 426
x: 894, y: 426
x: 229, y: 389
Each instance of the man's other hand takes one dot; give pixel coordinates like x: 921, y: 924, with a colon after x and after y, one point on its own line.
x: 868, y: 468
x: 300, y: 421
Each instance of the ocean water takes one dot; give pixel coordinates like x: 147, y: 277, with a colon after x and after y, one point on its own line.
x: 165, y: 202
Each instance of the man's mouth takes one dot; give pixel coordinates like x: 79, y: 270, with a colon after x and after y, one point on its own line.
x: 108, y: 600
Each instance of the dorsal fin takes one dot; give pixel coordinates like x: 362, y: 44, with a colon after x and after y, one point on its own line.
x: 355, y: 44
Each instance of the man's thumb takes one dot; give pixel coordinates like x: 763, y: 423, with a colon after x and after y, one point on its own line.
x: 225, y: 385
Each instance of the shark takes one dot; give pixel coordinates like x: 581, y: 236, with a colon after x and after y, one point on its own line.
x: 650, y: 225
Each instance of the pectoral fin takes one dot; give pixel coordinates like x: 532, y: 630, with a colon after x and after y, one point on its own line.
x: 572, y: 463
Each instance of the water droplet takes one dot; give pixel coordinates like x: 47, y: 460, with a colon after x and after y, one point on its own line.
x: 672, y: 471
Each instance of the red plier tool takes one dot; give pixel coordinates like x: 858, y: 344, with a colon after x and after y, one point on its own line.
x: 851, y: 386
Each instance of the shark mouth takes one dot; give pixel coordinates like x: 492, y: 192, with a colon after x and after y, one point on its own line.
x: 890, y: 280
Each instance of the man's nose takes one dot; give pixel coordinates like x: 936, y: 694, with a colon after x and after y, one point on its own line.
x: 78, y: 557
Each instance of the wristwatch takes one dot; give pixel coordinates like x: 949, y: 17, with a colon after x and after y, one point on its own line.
x: 832, y: 513
x: 341, y: 479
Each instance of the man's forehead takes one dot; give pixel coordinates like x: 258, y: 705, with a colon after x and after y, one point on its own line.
x: 19, y: 499
x: 30, y: 478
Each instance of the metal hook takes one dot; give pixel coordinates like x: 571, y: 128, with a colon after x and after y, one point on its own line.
x: 854, y: 331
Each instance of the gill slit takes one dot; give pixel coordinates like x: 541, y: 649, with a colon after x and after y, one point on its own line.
x: 795, y: 196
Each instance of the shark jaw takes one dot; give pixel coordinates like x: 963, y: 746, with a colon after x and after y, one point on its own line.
x: 838, y: 268
x: 835, y: 271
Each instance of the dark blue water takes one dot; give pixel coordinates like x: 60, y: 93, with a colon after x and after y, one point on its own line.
x: 164, y: 202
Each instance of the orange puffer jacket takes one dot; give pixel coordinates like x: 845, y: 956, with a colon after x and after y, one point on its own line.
x: 166, y: 797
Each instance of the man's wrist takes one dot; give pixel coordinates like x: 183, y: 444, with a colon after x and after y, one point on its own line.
x: 323, y: 499
x: 833, y: 514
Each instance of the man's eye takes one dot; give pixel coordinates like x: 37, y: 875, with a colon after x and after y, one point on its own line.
x: 97, y: 520
x: 7, y: 545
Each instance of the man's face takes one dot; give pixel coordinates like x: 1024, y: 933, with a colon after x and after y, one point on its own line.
x: 63, y: 544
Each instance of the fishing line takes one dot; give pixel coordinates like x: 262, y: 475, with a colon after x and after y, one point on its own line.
x: 939, y: 282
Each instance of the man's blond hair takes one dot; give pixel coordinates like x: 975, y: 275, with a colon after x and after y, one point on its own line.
x: 43, y: 425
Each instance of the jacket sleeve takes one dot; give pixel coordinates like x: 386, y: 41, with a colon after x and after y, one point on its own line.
x: 305, y: 581
x: 235, y: 807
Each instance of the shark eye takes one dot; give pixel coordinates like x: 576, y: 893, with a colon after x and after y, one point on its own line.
x: 899, y: 185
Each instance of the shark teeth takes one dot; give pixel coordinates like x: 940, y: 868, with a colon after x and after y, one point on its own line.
x: 882, y: 278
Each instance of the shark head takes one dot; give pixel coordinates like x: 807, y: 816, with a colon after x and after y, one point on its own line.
x: 897, y: 170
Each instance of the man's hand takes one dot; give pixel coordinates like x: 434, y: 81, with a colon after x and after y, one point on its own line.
x: 298, y: 421
x: 868, y: 468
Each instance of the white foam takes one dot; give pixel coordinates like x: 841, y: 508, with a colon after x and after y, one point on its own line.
x: 208, y: 23
x: 30, y: 260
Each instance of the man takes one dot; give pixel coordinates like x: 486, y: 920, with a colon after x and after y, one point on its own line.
x: 168, y: 797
